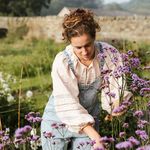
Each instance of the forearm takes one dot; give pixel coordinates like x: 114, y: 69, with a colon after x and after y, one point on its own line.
x: 92, y: 133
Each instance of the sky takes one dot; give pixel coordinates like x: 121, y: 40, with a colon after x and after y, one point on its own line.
x: 117, y: 1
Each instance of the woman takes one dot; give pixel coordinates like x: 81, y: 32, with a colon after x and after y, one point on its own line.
x: 72, y: 112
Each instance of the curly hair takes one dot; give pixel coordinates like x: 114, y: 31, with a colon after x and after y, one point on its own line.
x: 78, y: 22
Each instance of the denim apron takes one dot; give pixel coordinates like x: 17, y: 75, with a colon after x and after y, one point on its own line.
x: 88, y: 97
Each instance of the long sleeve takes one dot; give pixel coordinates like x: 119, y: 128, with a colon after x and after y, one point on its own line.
x: 65, y: 92
x: 111, y: 92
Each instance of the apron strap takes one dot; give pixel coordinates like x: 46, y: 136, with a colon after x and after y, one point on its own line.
x: 69, y: 61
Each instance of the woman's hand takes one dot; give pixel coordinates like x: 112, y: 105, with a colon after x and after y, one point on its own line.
x: 94, y: 136
x: 98, y: 146
x: 110, y: 116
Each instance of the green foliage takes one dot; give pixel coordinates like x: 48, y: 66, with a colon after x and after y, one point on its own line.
x: 57, y: 5
x: 22, y: 7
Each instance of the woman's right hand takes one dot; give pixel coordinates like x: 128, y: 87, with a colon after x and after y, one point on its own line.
x: 98, y: 146
x: 94, y: 136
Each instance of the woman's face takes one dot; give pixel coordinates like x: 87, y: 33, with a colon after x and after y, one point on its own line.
x: 83, y: 47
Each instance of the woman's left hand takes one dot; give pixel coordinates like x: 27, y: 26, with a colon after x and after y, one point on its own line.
x: 110, y: 116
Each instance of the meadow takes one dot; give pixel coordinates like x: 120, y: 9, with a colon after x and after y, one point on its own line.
x: 25, y: 67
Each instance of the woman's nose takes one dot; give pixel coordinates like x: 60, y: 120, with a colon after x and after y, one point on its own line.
x: 84, y: 51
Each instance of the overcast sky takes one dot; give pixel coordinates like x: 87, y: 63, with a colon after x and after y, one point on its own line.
x: 117, y: 1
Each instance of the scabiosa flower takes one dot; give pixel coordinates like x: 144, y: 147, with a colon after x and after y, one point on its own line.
x: 124, y: 145
x: 142, y: 134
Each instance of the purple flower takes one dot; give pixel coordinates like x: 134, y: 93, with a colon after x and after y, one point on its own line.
x: 138, y: 113
x: 113, y: 50
x: 99, y: 148
x: 125, y: 125
x: 33, y: 117
x: 130, y: 52
x: 92, y: 142
x: 114, y: 60
x: 82, y: 144
x: 144, y: 90
x: 135, y: 62
x: 62, y: 125
x: 124, y: 70
x: 142, y: 134
x: 1, y: 133
x: 55, y: 125
x: 5, y: 138
x: 124, y: 145
x: 124, y: 57
x: 106, y: 139
x: 35, y: 137
x: 48, y: 134
x: 122, y: 134
x: 1, y: 146
x: 27, y: 128
x: 101, y: 56
x: 133, y: 141
x: 110, y: 94
x: 141, y: 123
x: 120, y: 108
x: 146, y: 147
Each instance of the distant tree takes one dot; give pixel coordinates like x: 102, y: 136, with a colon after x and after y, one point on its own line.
x: 23, y: 7
x: 57, y: 5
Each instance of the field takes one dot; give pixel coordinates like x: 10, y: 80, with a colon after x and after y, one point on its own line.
x: 25, y: 65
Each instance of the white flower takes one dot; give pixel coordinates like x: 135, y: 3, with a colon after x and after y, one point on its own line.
x: 10, y: 98
x: 29, y: 94
x: 33, y: 131
x: 5, y: 86
x: 2, y: 80
x: 14, y: 80
x: 7, y: 89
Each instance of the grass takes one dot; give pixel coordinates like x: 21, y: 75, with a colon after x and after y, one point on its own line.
x: 35, y: 58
